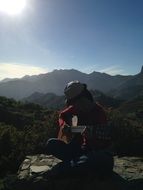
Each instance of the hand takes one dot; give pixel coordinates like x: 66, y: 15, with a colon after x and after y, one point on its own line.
x: 66, y: 130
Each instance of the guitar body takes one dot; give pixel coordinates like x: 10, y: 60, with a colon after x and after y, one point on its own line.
x: 73, y: 132
x: 64, y: 137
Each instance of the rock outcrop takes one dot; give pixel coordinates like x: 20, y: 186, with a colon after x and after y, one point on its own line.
x: 34, y: 174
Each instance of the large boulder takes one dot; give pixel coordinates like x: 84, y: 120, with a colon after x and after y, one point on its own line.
x: 42, y: 172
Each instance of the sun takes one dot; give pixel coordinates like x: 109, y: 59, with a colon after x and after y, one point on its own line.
x: 12, y: 7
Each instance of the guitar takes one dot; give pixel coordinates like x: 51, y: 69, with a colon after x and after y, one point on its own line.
x: 99, y: 132
x: 67, y: 133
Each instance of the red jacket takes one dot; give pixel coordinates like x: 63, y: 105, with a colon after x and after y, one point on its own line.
x: 95, y: 117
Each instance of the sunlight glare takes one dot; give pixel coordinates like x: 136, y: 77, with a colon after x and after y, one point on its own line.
x: 12, y: 7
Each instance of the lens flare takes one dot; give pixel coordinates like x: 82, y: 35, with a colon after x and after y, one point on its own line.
x: 12, y: 7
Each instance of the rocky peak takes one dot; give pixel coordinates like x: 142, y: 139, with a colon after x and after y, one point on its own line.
x: 141, y: 70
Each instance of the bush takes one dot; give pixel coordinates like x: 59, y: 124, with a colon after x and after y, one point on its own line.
x: 125, y: 133
x: 17, y: 142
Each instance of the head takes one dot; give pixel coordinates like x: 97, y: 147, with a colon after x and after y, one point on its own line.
x: 75, y: 90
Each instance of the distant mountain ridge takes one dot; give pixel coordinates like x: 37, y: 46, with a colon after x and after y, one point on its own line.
x: 131, y: 88
x: 51, y: 100
x: 48, y: 100
x: 54, y: 82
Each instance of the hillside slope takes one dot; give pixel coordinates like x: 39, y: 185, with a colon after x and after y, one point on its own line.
x: 130, y: 88
x: 51, y: 100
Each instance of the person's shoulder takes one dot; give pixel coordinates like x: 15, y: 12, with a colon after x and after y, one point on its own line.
x: 98, y: 106
x: 99, y: 110
x: 69, y: 109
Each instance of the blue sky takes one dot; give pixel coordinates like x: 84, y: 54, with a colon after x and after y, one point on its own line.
x: 88, y: 35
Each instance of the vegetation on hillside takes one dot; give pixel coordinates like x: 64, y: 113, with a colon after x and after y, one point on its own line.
x: 24, y: 129
x: 127, y: 133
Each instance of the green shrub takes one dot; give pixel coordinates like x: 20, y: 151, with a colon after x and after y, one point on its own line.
x: 126, y: 131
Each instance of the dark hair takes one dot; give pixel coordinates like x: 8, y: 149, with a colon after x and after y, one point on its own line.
x: 85, y: 93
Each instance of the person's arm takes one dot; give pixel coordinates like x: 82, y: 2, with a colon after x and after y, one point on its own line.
x: 64, y: 131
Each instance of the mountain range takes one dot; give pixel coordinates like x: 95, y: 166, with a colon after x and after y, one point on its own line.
x: 123, y: 87
x: 54, y: 101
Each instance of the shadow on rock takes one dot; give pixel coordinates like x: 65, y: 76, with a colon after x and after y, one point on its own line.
x: 70, y: 181
x: 136, y: 184
x: 85, y: 174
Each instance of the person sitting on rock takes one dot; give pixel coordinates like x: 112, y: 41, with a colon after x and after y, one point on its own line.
x: 81, y: 111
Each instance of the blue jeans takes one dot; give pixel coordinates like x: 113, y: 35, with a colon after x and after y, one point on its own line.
x: 63, y: 151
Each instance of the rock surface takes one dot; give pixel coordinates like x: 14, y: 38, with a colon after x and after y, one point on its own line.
x: 129, y: 168
x: 36, y: 165
x: 32, y: 175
